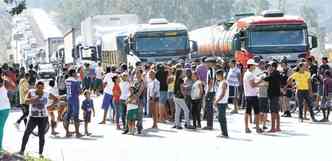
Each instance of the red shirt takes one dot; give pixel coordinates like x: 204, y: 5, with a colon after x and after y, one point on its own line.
x: 116, y: 93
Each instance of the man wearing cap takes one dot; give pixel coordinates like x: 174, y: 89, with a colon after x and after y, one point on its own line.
x: 250, y: 92
x: 210, y: 92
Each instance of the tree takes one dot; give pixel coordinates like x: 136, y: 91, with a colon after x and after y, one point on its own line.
x: 18, y: 6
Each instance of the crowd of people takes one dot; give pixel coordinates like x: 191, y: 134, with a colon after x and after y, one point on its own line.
x: 173, y: 92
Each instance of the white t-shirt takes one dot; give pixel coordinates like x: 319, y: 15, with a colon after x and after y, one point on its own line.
x: 124, y: 86
x: 248, y: 90
x: 233, y: 77
x: 39, y: 108
x: 154, y: 88
x: 4, y: 101
x: 54, y: 91
x: 195, y: 90
x: 224, y: 100
x: 110, y: 83
x: 99, y: 72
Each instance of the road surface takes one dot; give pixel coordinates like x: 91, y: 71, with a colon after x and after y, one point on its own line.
x: 297, y: 141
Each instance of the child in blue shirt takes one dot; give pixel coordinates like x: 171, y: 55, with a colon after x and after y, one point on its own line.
x: 88, y: 108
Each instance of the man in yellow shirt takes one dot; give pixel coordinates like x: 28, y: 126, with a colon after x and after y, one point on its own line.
x: 303, y: 86
x: 23, y: 91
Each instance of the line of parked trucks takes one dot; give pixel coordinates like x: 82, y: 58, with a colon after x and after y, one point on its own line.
x: 116, y: 39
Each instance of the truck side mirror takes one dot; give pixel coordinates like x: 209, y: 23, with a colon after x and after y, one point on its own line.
x: 193, y: 46
x: 126, y: 46
x: 237, y: 42
x: 313, y: 42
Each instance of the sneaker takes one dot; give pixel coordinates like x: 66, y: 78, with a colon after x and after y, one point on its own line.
x: 126, y: 131
x: 265, y: 128
x: 207, y: 128
x: 189, y: 127
x: 248, y: 131
x: 79, y: 135
x: 179, y: 128
x: 54, y: 133
x: 259, y: 130
x: 234, y: 112
x: 174, y: 127
x: 88, y: 134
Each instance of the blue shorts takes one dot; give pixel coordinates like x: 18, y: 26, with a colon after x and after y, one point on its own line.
x: 170, y: 95
x: 107, y: 102
x: 163, y: 97
x: 73, y: 110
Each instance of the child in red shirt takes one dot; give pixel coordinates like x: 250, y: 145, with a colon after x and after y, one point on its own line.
x: 116, y: 99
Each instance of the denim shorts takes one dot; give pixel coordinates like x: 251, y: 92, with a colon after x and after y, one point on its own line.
x: 163, y: 97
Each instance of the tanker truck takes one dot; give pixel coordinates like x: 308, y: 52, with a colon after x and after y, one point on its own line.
x: 271, y: 35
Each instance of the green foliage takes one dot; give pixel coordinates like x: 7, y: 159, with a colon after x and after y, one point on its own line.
x: 19, y: 6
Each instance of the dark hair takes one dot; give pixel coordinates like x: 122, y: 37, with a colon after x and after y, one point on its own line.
x: 1, y: 82
x: 99, y: 64
x: 274, y: 65
x: 27, y: 75
x: 327, y: 73
x: 51, y: 83
x: 30, y: 66
x: 220, y: 72
x: 40, y: 83
x: 113, y: 68
x: 114, y: 78
x: 108, y: 69
x: 72, y: 72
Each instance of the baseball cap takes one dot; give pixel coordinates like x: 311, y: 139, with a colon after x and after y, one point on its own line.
x: 251, y: 62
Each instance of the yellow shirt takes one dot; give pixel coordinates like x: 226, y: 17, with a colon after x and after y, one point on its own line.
x: 23, y: 90
x: 301, y: 80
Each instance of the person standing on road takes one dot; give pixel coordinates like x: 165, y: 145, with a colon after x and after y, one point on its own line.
x: 286, y: 90
x: 233, y: 79
x: 116, y: 90
x: 4, y: 108
x: 124, y: 86
x: 197, y: 93
x: 210, y: 92
x: 221, y: 102
x: 327, y: 96
x: 263, y: 92
x: 153, y: 92
x: 98, y: 83
x: 250, y: 92
x: 274, y: 93
x: 179, y: 101
x: 303, y: 86
x: 23, y: 90
x: 107, y: 99
x: 33, y: 76
x: 88, y: 110
x: 161, y: 76
x: 37, y: 98
x: 73, y: 93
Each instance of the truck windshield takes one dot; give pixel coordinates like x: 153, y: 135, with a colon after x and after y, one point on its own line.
x: 161, y: 42
x: 277, y: 38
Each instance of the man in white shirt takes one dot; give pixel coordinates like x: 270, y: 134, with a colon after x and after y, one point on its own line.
x: 250, y: 92
x: 233, y: 80
x: 124, y: 86
x: 99, y: 80
x: 108, y: 86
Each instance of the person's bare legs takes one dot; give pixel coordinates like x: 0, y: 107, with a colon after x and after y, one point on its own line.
x: 246, y: 121
x: 278, y: 121
x: 257, y: 120
x: 161, y: 112
x: 273, y: 122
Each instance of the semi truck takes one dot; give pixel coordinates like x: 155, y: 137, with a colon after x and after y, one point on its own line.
x: 271, y: 35
x: 158, y: 41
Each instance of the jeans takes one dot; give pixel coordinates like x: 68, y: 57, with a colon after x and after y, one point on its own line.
x: 209, y: 109
x: 25, y: 110
x: 189, y: 104
x: 117, y: 111
x: 222, y: 118
x: 41, y: 122
x: 181, y: 104
x: 196, y: 112
x: 3, y: 117
x: 139, y: 123
x: 304, y: 95
x: 123, y: 110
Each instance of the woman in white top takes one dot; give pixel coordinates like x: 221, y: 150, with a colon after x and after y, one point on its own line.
x: 4, y: 108
x: 153, y: 97
x: 196, y: 100
x: 221, y: 102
